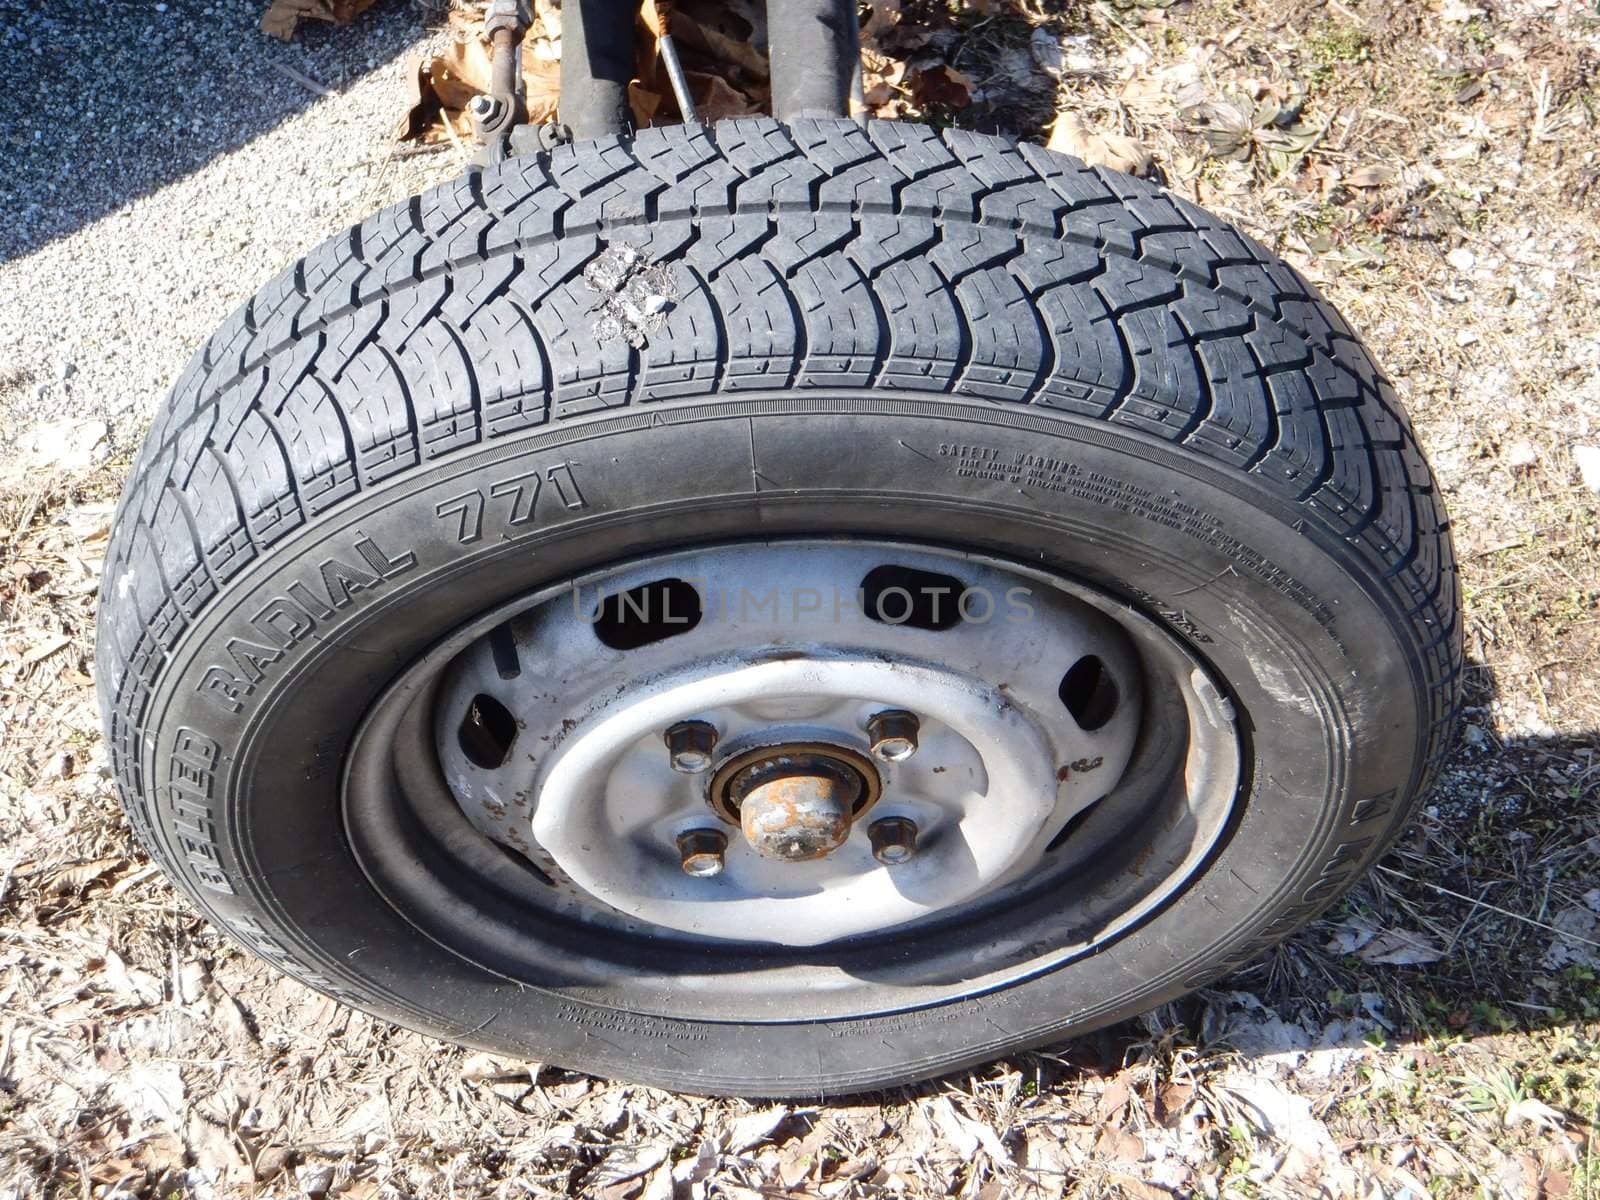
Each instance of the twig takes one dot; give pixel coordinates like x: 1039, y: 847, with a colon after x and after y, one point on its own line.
x: 304, y: 80
x: 1104, y: 12
x: 1504, y: 912
x: 455, y: 139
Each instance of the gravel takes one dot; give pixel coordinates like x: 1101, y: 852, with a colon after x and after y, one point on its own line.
x: 162, y: 163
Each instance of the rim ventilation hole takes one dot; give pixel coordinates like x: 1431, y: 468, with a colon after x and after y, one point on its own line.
x: 651, y: 612
x: 894, y: 595
x: 487, y: 732
x: 1089, y: 693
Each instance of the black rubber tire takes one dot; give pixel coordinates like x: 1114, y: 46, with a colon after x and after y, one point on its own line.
x: 879, y: 330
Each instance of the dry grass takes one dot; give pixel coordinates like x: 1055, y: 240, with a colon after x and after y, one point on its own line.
x: 1433, y: 166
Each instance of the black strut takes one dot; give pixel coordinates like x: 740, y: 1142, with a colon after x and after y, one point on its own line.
x: 596, y: 64
x: 816, y: 51
x: 815, y: 47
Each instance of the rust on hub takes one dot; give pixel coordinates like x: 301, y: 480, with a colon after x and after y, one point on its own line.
x: 796, y: 806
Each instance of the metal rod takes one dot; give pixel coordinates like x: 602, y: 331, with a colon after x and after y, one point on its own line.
x: 503, y: 65
x: 815, y: 47
x: 679, y: 81
x: 596, y: 65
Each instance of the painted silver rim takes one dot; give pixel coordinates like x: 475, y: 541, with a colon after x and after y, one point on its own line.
x: 443, y: 787
x: 580, y: 779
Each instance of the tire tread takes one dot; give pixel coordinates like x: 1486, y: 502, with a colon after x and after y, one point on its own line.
x: 820, y: 254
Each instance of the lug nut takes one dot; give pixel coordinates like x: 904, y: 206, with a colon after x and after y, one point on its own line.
x: 894, y: 840
x: 894, y: 734
x: 690, y: 743
x: 701, y: 851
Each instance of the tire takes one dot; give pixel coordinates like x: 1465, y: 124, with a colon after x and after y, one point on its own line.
x: 883, y: 332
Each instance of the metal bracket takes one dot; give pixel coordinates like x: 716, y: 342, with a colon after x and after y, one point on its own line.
x: 495, y: 114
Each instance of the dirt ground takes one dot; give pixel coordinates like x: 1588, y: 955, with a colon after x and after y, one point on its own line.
x: 1434, y: 166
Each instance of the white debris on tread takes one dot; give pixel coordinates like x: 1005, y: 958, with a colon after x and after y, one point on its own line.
x: 634, y: 295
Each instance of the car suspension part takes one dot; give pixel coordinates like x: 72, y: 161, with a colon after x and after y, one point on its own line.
x: 814, y: 45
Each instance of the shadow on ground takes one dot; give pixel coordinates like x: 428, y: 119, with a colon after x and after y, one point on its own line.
x: 103, y: 103
x: 1483, y: 921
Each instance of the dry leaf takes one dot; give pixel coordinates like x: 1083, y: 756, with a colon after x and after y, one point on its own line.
x: 1045, y: 46
x: 956, y: 1129
x: 231, y: 1018
x: 716, y: 99
x: 1534, y: 1112
x: 1113, y: 1099
x: 1401, y: 947
x: 754, y: 1128
x: 72, y: 880
x: 284, y: 16
x: 1130, y: 1188
x: 884, y: 16
x: 941, y: 86
x: 45, y: 649
x: 136, y: 986
x: 153, y: 1094
x: 965, y: 1134
x: 1369, y: 177
x: 881, y: 77
x: 1118, y: 1145
x: 627, y: 1162
x: 696, y: 32
x: 1070, y: 134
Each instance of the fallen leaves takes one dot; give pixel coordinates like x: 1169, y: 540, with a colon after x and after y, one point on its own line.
x: 628, y: 1162
x: 965, y: 1135
x: 755, y: 1128
x: 283, y: 17
x: 1060, y: 57
x: 44, y: 649
x: 1401, y: 948
x: 1577, y: 935
x: 1270, y: 1109
x: 941, y: 86
x: 1071, y: 134
x: 1369, y: 176
x: 443, y: 86
x: 74, y: 879
x: 1587, y: 460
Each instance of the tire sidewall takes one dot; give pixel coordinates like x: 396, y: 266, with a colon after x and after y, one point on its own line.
x: 245, y: 775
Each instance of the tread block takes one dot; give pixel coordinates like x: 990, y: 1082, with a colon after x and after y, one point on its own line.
x: 1007, y: 339
x: 843, y: 323
x: 925, y: 327
x: 760, y: 321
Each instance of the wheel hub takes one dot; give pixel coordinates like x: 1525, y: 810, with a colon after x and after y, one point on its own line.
x: 796, y: 803
x: 682, y: 744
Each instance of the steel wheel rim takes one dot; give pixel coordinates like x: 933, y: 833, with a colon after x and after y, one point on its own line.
x: 481, y: 898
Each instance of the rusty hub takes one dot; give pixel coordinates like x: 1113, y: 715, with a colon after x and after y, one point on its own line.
x: 797, y: 802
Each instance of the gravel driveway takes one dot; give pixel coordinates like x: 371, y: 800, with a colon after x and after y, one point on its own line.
x: 168, y: 161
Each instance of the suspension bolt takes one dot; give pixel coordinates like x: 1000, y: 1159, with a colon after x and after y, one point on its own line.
x: 690, y: 743
x: 894, y: 840
x: 701, y: 851
x: 894, y: 734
